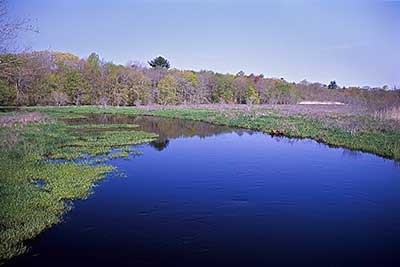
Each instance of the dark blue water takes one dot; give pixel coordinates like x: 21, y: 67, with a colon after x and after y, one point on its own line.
x: 232, y: 199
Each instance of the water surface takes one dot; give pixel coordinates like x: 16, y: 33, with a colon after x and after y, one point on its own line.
x: 205, y: 195
x: 4, y: 109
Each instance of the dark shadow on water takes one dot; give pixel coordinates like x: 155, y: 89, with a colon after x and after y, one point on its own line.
x: 207, y: 195
x: 8, y: 109
x: 160, y: 145
x: 166, y: 128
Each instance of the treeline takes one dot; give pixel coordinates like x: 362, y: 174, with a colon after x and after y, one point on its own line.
x: 55, y: 78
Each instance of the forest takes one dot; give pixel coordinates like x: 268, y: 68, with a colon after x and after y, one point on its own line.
x: 163, y: 163
x: 57, y: 78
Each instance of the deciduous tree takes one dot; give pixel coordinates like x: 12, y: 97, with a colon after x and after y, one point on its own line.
x: 167, y: 91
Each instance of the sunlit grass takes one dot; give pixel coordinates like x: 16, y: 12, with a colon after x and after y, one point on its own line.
x: 354, y: 131
x: 34, y: 190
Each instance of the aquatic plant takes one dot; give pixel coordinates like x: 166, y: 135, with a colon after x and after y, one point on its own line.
x: 35, y: 190
x: 336, y: 126
x: 120, y: 154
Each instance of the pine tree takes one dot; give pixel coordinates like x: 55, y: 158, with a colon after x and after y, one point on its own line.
x: 159, y: 62
x: 332, y: 85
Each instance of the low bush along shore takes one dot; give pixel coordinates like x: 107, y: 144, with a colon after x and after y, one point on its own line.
x: 35, y: 189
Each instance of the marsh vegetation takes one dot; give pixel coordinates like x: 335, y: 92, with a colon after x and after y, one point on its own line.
x: 212, y: 185
x: 148, y: 164
x: 38, y: 178
x: 332, y: 125
x: 48, y: 153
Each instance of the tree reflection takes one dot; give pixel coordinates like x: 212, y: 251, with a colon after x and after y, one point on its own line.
x: 166, y: 128
x: 160, y: 144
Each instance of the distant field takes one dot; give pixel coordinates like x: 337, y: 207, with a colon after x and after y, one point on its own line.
x: 320, y: 103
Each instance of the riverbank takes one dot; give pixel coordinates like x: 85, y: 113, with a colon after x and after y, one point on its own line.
x: 38, y: 184
x: 332, y: 125
x: 38, y: 180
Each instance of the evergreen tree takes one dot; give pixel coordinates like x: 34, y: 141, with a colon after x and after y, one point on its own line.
x: 159, y: 62
x: 332, y: 85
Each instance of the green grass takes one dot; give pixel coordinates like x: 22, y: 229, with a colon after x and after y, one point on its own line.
x: 35, y: 191
x: 383, y: 142
x: 120, y: 154
x: 96, y: 127
x: 358, y: 132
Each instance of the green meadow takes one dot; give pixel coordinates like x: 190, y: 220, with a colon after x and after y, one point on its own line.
x: 46, y: 163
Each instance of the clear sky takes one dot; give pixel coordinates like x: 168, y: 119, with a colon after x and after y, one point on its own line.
x: 352, y: 42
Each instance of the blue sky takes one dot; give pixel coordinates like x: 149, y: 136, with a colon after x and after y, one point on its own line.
x: 352, y: 42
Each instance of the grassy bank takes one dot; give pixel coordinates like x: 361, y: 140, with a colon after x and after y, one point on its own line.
x: 36, y: 190
x: 335, y: 126
x: 36, y: 187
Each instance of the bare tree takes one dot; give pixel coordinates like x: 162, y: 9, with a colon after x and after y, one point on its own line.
x: 60, y: 98
x: 10, y: 29
x: 207, y: 86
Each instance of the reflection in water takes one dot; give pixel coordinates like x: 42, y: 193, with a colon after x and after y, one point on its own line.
x: 166, y: 128
x: 351, y: 153
x: 8, y: 109
x: 234, y: 199
x: 160, y: 144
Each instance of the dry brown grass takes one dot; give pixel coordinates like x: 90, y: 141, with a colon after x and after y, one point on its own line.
x: 351, y: 118
x: 389, y: 114
x: 287, y: 109
x: 9, y: 121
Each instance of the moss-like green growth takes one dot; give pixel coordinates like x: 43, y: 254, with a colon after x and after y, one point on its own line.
x: 99, y: 127
x: 120, y: 154
x: 354, y: 131
x: 34, y: 189
x: 33, y: 198
x: 368, y: 135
